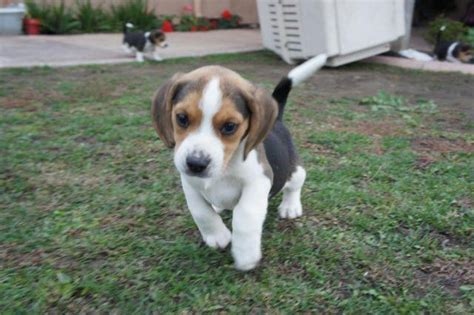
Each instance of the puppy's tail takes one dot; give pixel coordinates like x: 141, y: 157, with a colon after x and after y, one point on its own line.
x: 295, y: 77
x: 440, y: 33
x: 127, y: 26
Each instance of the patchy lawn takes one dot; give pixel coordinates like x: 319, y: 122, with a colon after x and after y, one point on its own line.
x: 92, y: 215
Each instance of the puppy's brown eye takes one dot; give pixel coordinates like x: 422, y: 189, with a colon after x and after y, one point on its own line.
x: 182, y: 120
x: 229, y: 128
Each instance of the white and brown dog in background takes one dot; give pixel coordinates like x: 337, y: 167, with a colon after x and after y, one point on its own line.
x: 452, y: 51
x: 232, y: 151
x: 141, y: 43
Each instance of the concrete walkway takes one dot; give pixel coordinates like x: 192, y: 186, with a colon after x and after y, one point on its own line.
x: 65, y: 50
x: 434, y: 66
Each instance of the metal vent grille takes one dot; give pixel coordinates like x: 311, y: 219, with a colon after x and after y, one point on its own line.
x: 285, y: 25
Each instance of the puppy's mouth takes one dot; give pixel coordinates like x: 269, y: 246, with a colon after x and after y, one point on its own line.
x: 163, y: 45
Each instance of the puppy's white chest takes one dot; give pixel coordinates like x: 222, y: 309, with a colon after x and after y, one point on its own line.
x: 149, y: 47
x: 223, y: 193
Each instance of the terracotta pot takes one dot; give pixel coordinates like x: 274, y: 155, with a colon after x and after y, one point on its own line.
x: 214, y: 23
x: 194, y: 28
x: 32, y: 26
x: 167, y: 27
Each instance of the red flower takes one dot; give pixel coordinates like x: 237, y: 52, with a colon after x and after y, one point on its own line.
x: 226, y: 15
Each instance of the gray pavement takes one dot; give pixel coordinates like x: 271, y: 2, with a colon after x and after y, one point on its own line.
x: 68, y: 50
x: 65, y: 50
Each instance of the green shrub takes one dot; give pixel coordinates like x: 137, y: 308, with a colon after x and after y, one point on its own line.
x: 91, y: 19
x: 135, y: 12
x: 470, y: 36
x: 186, y: 22
x: 57, y: 19
x: 34, y: 10
x: 454, y: 30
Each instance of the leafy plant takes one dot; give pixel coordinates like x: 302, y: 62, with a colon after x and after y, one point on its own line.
x: 203, y: 22
x: 136, y: 12
x: 34, y: 10
x: 58, y: 20
x: 186, y: 23
x: 470, y: 36
x: 384, y: 101
x: 454, y: 30
x: 91, y: 19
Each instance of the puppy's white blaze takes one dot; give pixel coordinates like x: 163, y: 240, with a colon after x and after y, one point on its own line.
x: 204, y: 139
x: 211, y: 101
x: 305, y: 70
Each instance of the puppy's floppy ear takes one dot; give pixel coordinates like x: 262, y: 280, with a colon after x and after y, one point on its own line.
x: 465, y: 47
x: 263, y: 112
x: 161, y: 108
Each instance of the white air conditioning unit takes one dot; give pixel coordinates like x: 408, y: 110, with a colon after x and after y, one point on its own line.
x: 345, y: 30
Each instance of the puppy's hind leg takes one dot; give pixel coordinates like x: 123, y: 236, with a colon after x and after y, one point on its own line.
x: 139, y: 56
x: 290, y: 206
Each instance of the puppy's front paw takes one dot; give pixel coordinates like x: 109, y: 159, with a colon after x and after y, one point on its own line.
x: 247, y: 261
x: 218, y: 240
x: 290, y: 210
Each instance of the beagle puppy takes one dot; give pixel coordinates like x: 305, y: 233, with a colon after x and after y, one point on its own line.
x: 232, y: 151
x: 141, y: 43
x: 452, y: 51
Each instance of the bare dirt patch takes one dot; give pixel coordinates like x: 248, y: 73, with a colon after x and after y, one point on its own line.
x: 449, y: 275
x: 384, y: 127
x: 441, y: 145
x: 424, y: 161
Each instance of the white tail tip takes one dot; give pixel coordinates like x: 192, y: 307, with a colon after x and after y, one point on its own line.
x: 442, y: 28
x: 129, y: 25
x: 305, y: 70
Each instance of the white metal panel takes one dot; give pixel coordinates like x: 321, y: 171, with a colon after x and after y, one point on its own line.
x: 368, y: 23
x: 345, y: 30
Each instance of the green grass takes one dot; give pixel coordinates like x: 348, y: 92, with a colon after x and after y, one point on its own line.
x: 93, y: 219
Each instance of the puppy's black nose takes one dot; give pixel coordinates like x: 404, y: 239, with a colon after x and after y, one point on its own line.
x: 197, y: 164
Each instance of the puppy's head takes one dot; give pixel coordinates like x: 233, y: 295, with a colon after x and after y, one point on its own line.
x: 209, y: 116
x: 465, y: 53
x: 158, y: 38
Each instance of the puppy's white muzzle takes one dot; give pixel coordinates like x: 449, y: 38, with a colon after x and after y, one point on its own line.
x: 200, y: 155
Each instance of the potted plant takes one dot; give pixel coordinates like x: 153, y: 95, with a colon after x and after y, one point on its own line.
x: 229, y: 20
x: 203, y: 24
x: 32, y: 19
x: 168, y: 22
x: 167, y: 26
x: 213, y: 24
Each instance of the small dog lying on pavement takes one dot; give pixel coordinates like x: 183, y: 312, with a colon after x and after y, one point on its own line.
x: 232, y: 151
x: 141, y: 43
x: 456, y: 52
